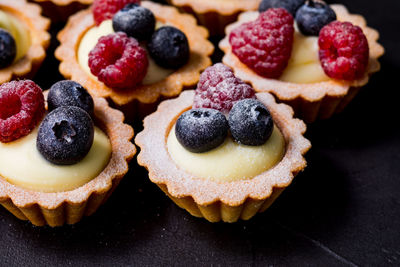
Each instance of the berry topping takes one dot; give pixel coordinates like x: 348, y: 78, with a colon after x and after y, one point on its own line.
x: 136, y: 21
x: 105, y: 9
x: 8, y: 48
x: 21, y: 108
x: 218, y: 88
x: 200, y: 130
x: 169, y: 47
x: 65, y: 135
x: 343, y: 51
x: 250, y: 122
x: 118, y: 61
x: 313, y: 16
x: 69, y: 93
x: 265, y: 44
x: 290, y: 5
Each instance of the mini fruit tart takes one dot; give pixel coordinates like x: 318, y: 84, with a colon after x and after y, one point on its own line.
x: 215, y: 15
x: 222, y: 152
x: 60, y: 10
x: 23, y: 39
x: 135, y: 55
x: 59, y: 164
x: 316, y: 62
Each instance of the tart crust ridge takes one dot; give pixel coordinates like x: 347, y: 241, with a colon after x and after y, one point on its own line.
x: 180, y: 184
x: 224, y: 8
x: 186, y: 76
x: 66, y: 2
x: 30, y: 14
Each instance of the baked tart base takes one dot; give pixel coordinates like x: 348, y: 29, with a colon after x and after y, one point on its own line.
x: 28, y: 13
x: 215, y: 15
x: 225, y: 201
x: 60, y: 10
x: 56, y: 209
x: 144, y: 97
x: 309, y: 101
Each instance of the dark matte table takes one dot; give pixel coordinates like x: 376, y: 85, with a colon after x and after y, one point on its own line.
x: 342, y: 210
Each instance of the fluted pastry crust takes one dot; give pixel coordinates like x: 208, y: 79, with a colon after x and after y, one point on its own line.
x: 210, y: 199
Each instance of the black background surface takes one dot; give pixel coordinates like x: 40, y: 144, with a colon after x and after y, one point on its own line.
x: 342, y: 210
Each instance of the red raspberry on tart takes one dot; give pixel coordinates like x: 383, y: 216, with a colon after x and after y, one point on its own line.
x: 105, y: 9
x: 219, y: 89
x: 265, y: 45
x: 343, y: 51
x: 21, y: 108
x: 118, y: 61
x: 333, y: 54
x: 177, y: 51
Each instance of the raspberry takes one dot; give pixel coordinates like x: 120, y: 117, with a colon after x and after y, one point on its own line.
x: 21, y: 108
x: 118, y: 61
x: 343, y: 51
x: 105, y: 9
x: 265, y: 44
x: 219, y: 89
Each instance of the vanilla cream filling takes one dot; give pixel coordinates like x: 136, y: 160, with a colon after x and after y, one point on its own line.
x: 230, y: 161
x: 154, y: 72
x: 304, y: 65
x: 21, y: 164
x: 18, y: 30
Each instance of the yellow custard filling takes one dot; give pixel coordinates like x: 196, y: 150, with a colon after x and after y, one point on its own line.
x: 18, y: 30
x: 230, y: 161
x: 304, y: 65
x: 154, y: 72
x: 21, y: 164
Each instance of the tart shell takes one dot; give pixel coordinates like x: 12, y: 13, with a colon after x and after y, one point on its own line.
x: 143, y: 97
x: 315, y: 100
x: 56, y: 209
x: 215, y: 15
x: 60, y: 10
x: 37, y: 25
x: 227, y: 201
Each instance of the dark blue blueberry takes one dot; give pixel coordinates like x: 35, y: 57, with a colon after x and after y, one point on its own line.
x: 65, y: 135
x: 250, y: 122
x: 8, y: 48
x: 200, y: 130
x: 69, y: 93
x: 136, y: 21
x: 169, y: 47
x: 290, y: 5
x: 313, y: 16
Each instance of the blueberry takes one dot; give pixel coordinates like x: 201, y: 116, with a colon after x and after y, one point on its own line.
x: 290, y: 5
x: 65, y: 135
x: 169, y: 47
x: 136, y: 21
x: 200, y: 130
x: 313, y: 16
x: 69, y: 93
x: 8, y: 48
x: 250, y: 122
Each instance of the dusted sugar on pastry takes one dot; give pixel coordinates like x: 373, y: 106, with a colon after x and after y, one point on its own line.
x: 312, y: 56
x: 222, y: 152
x: 23, y: 39
x: 215, y: 14
x: 66, y: 159
x: 134, y: 53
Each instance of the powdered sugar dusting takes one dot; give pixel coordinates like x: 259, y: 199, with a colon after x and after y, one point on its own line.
x: 178, y: 183
x: 219, y: 89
